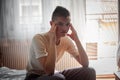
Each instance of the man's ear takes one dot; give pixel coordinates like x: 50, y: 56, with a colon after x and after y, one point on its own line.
x: 51, y: 23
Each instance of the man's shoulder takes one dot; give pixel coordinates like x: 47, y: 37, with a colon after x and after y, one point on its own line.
x: 66, y: 40
x: 36, y: 36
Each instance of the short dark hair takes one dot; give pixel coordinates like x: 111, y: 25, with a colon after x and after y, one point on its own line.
x: 60, y: 12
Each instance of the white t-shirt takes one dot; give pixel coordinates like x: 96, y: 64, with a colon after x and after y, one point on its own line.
x: 39, y: 48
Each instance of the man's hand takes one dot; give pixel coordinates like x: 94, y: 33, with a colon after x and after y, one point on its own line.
x: 48, y: 62
x: 82, y: 58
x: 53, y: 33
x: 73, y: 34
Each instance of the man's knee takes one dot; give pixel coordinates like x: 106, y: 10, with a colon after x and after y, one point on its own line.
x: 87, y: 73
x: 90, y: 71
x: 59, y: 76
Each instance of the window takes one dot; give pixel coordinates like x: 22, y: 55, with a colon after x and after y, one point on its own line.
x: 30, y: 11
x: 102, y: 32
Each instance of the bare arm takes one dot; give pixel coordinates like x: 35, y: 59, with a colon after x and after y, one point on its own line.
x: 82, y: 58
x: 48, y: 62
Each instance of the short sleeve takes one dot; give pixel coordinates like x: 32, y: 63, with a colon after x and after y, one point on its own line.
x: 71, y: 48
x: 39, y: 47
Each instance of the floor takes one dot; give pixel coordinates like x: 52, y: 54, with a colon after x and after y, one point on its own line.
x: 107, y: 79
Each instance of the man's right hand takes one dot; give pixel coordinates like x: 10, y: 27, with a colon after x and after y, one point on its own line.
x: 73, y: 35
x: 52, y: 33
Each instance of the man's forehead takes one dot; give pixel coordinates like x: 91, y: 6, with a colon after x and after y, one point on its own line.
x: 63, y: 19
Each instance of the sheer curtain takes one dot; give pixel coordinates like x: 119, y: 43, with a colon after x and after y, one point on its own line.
x: 78, y: 17
x: 21, y: 19
x: 8, y: 18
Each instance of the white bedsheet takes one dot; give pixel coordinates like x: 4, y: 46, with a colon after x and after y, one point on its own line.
x: 11, y: 74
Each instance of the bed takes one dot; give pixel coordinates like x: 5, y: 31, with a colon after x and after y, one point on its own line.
x: 11, y: 74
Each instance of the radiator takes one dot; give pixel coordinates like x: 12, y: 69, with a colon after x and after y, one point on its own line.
x: 14, y: 54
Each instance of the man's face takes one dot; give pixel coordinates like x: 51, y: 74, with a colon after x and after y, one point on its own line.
x: 62, y: 25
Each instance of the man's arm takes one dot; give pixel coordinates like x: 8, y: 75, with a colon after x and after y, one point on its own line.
x: 45, y: 57
x: 48, y: 62
x: 82, y: 58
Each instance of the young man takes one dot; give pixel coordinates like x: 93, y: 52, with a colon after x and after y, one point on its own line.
x: 47, y: 48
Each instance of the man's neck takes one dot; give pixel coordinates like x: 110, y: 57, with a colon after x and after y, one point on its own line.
x: 57, y: 41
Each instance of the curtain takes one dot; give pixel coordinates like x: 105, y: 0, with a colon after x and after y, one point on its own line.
x: 78, y: 17
x: 20, y: 19
x: 8, y: 18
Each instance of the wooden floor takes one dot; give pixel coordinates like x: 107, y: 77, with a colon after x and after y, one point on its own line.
x: 106, y: 79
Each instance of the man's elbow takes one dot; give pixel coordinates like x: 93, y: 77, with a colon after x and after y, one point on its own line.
x: 85, y: 65
x: 49, y: 70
